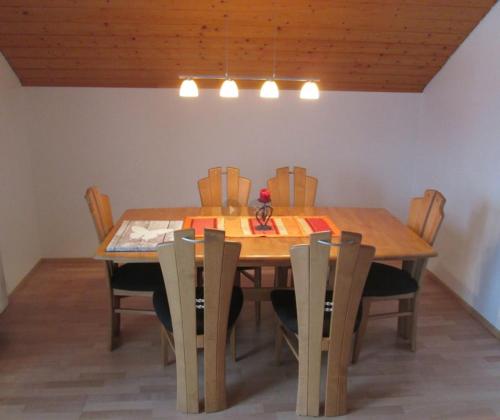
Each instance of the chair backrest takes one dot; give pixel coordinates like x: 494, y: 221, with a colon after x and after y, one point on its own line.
x: 304, y: 188
x: 237, y: 188
x: 426, y: 215
x: 178, y: 266
x: 434, y: 219
x: 100, y: 209
x: 310, y: 265
x: 425, y: 218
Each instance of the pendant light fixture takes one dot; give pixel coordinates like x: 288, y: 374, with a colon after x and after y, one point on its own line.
x: 188, y: 89
x: 309, y: 91
x: 229, y: 88
x: 269, y: 88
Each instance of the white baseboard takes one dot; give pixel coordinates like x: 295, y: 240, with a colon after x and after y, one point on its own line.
x: 472, y: 311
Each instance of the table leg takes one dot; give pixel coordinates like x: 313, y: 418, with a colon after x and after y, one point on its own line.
x: 281, y: 276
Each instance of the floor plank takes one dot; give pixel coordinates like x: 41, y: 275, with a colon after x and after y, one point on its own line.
x: 54, y: 363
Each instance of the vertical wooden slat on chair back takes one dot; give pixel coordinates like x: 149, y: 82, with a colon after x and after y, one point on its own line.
x: 238, y: 188
x: 304, y: 188
x: 310, y: 265
x: 177, y: 261
x: 100, y: 209
x: 279, y: 186
x: 210, y: 188
x: 353, y: 264
x: 434, y: 218
x: 220, y: 263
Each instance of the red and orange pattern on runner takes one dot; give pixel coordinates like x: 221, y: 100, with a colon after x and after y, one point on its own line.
x: 244, y: 226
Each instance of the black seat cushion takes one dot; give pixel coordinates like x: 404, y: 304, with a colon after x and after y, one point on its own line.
x: 285, y: 307
x: 162, y: 310
x: 136, y: 277
x: 385, y: 280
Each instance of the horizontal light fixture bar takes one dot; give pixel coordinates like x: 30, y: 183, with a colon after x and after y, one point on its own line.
x: 217, y: 77
x: 229, y: 87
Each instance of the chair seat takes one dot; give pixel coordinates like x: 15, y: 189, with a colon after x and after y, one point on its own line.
x: 138, y: 277
x: 160, y: 303
x: 285, y: 307
x: 385, y: 280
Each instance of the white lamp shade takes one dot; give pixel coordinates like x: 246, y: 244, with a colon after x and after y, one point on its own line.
x: 229, y: 89
x: 309, y: 91
x: 269, y: 89
x: 188, y: 89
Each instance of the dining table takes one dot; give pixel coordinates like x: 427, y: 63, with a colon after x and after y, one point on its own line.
x: 392, y: 239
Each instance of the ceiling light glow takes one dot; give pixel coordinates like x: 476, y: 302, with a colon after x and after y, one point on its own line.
x: 188, y: 89
x: 309, y: 91
x: 269, y: 90
x: 229, y: 89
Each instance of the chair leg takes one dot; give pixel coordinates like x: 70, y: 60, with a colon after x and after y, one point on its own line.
x: 365, y: 311
x: 112, y: 335
x: 167, y: 347
x: 237, y: 278
x: 278, y: 344
x: 114, y: 328
x: 413, y: 324
x: 232, y: 344
x: 280, y: 276
x: 116, y: 316
x: 257, y: 284
x: 404, y: 321
x: 163, y: 346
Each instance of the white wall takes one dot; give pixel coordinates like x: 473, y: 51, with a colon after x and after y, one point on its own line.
x: 459, y: 153
x: 19, y: 238
x: 148, y: 147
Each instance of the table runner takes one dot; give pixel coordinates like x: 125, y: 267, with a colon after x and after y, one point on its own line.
x: 244, y: 226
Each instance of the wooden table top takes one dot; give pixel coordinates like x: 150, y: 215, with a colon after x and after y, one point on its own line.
x: 391, y: 238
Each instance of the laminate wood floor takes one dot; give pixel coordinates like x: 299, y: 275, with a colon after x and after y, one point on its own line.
x: 54, y: 363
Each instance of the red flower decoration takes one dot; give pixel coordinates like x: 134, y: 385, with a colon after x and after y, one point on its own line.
x: 264, y: 196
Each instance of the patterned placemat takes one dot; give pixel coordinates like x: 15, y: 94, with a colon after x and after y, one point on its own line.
x: 143, y: 235
x: 199, y: 224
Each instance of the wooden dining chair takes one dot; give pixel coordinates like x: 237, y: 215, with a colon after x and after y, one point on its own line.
x: 127, y: 280
x: 387, y: 282
x: 237, y: 192
x: 199, y: 317
x: 320, y: 320
x: 237, y: 188
x: 304, y: 188
x: 304, y: 195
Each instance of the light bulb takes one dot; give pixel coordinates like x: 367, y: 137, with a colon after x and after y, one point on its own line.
x: 229, y: 89
x: 269, y: 89
x: 188, y: 89
x: 309, y: 91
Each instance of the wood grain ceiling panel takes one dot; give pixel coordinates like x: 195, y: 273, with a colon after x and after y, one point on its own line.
x: 372, y: 45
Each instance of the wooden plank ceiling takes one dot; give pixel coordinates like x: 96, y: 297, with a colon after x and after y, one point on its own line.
x: 368, y: 45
